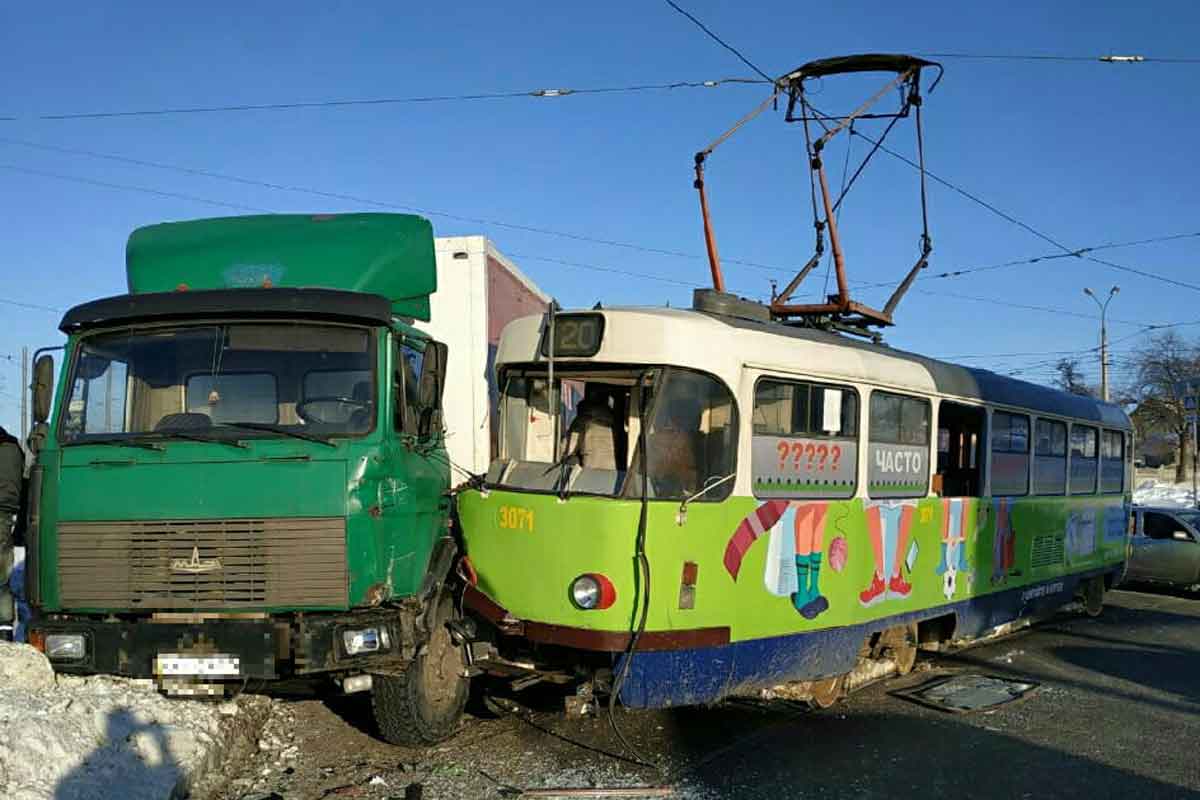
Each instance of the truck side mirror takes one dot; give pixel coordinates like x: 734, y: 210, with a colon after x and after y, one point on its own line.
x: 42, y: 387
x: 430, y: 388
x: 1181, y: 536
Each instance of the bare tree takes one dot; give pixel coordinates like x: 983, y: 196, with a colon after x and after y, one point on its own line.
x: 1070, y: 378
x: 1161, y: 367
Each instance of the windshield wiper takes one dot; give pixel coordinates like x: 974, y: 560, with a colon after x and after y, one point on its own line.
x: 117, y: 440
x: 266, y: 426
x: 196, y: 437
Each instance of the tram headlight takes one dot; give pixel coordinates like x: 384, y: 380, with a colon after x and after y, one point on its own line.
x: 593, y: 591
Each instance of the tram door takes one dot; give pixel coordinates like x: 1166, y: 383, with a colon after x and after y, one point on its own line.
x: 960, y: 442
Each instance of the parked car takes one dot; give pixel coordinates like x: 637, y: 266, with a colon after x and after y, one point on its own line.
x: 1166, y: 547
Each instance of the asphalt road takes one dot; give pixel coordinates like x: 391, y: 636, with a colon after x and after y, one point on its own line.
x: 1117, y: 714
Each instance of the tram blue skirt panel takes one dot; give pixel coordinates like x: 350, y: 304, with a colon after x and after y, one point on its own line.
x: 707, y: 674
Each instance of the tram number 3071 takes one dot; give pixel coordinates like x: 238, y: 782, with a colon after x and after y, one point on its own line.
x: 516, y: 518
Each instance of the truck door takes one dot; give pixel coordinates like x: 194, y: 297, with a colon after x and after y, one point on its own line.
x: 414, y: 495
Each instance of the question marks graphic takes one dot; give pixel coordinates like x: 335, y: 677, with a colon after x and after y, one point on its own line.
x: 808, y: 456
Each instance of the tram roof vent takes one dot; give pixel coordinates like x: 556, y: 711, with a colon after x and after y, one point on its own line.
x: 724, y: 304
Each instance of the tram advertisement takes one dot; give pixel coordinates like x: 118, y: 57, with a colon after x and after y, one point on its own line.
x: 786, y: 466
x: 897, y: 470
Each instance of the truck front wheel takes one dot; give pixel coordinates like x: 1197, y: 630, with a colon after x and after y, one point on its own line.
x: 423, y: 704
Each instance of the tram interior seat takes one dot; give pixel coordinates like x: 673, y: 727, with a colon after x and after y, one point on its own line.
x: 960, y: 439
x: 597, y: 481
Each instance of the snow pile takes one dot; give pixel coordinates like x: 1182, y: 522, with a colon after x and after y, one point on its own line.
x: 103, y: 738
x: 1161, y: 493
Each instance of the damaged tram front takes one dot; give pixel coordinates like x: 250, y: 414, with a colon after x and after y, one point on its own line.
x: 694, y: 504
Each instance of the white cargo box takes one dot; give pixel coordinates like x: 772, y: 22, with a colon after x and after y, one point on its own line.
x: 479, y: 292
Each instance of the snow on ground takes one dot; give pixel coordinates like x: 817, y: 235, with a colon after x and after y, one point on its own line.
x: 1156, y: 492
x: 103, y: 738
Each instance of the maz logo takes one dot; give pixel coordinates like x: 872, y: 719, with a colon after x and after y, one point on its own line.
x: 195, y: 565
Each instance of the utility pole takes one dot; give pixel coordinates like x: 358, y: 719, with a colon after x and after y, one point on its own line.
x: 1189, y: 389
x: 24, y: 394
x: 1103, y: 337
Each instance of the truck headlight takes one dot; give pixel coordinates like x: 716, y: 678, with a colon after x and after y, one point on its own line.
x: 365, y: 640
x: 65, y: 646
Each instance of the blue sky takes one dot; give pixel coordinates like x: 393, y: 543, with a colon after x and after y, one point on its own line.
x: 1089, y: 153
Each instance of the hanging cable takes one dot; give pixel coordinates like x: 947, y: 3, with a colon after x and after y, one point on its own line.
x: 722, y: 42
x: 641, y: 576
x: 390, y: 101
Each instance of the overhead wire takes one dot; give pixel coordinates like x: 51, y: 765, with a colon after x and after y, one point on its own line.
x: 209, y: 201
x: 721, y: 41
x: 31, y: 306
x: 403, y: 206
x: 1078, y: 253
x: 1111, y: 58
x: 543, y: 93
x: 110, y: 185
x: 1024, y: 225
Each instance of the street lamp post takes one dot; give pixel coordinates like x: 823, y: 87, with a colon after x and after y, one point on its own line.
x: 1103, y: 337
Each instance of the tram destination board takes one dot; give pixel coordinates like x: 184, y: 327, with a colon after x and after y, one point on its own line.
x: 575, y: 335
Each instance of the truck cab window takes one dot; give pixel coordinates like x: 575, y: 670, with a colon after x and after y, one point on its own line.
x: 406, y: 382
x: 227, y: 380
x: 235, y: 397
x: 98, y: 396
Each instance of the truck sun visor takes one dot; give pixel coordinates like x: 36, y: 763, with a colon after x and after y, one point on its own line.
x: 225, y: 303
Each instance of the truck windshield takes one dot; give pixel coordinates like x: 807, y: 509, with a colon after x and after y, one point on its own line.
x: 590, y: 446
x: 236, y: 380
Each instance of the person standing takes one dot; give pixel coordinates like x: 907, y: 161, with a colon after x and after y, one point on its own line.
x: 12, y: 477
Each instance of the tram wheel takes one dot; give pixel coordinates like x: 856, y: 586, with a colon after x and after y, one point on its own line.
x: 1093, y: 597
x: 827, y: 691
x: 422, y: 704
x: 900, y: 645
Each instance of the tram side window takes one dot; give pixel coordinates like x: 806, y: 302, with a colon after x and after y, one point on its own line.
x: 805, y: 442
x: 1050, y: 457
x: 692, y: 440
x: 1083, y: 459
x: 1112, y: 462
x: 1010, y: 454
x: 898, y: 446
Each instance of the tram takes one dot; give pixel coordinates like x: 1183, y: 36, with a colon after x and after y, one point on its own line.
x: 691, y: 504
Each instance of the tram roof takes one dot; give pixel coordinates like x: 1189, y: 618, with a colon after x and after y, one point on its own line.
x: 756, y: 337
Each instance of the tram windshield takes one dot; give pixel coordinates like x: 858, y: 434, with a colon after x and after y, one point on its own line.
x: 581, y: 434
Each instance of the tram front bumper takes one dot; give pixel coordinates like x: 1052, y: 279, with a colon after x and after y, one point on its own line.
x: 588, y: 638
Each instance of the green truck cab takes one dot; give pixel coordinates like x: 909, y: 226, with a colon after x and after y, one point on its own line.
x: 242, y: 475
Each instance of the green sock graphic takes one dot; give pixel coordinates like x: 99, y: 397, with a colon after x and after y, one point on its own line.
x: 814, y: 573
x: 803, y: 591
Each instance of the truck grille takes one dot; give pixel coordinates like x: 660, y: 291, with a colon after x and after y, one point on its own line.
x: 202, y: 564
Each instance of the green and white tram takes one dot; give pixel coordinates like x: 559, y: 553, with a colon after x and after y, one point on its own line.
x: 727, y: 503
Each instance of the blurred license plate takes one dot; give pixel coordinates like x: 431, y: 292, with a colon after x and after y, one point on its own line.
x: 179, y: 665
